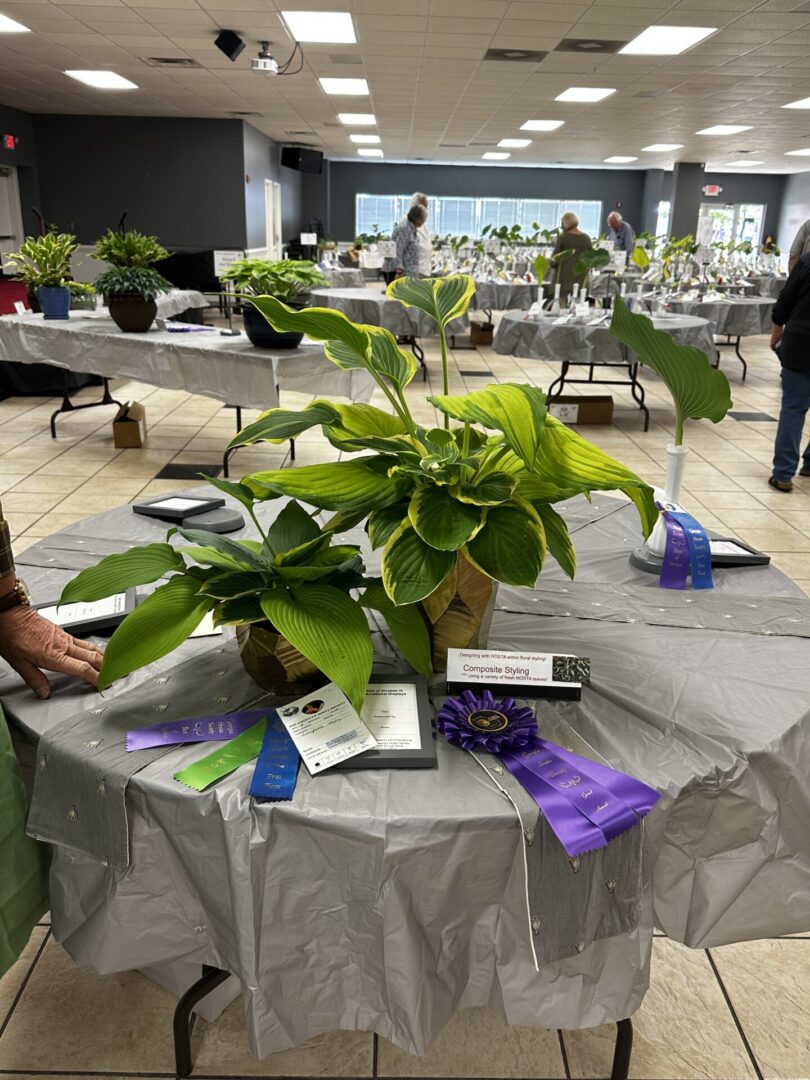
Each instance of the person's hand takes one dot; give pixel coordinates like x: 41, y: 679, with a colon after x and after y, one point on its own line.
x: 776, y: 336
x: 30, y: 642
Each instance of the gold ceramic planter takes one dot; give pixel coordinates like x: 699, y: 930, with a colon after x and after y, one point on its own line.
x: 273, y: 663
x: 459, y: 612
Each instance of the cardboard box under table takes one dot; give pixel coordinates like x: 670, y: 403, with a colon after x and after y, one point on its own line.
x: 129, y: 426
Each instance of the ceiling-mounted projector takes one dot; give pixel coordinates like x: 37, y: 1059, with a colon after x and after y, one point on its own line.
x: 265, y: 61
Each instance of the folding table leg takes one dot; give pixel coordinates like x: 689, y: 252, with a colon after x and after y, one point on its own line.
x: 183, y: 1023
x: 624, y: 1048
x: 68, y: 406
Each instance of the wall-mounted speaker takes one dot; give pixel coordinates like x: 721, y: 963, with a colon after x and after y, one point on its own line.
x: 229, y: 42
x: 302, y: 159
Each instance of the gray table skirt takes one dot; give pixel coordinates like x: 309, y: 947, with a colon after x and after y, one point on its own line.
x: 737, y: 317
x: 371, y: 305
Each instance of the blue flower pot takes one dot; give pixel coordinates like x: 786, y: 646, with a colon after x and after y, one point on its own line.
x: 54, y: 301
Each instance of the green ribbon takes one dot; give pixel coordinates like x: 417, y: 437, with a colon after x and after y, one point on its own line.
x: 224, y: 760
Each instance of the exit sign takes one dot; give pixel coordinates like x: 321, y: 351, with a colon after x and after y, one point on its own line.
x: 712, y: 189
x: 9, y: 142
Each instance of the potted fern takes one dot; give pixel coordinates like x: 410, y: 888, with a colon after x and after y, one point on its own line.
x: 43, y: 264
x: 132, y: 284
x: 288, y: 280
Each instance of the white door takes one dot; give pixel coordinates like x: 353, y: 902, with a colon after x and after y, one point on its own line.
x: 272, y: 218
x: 11, y: 228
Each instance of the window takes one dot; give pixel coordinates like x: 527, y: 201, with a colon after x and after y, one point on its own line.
x: 460, y: 215
x: 733, y: 222
x: 662, y: 223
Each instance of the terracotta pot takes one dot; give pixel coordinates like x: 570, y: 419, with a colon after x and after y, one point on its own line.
x: 274, y: 664
x: 459, y: 613
x: 131, y: 313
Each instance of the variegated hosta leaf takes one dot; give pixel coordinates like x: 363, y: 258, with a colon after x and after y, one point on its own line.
x: 511, y: 546
x: 360, y: 427
x: 412, y: 569
x: 407, y: 625
x: 278, y: 425
x: 387, y: 359
x: 322, y: 324
x: 442, y: 521
x: 698, y: 390
x: 444, y: 299
x: 640, y: 258
x: 516, y: 409
x: 356, y: 484
x: 558, y: 539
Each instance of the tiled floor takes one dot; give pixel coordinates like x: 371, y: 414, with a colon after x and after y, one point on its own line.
x: 738, y: 1011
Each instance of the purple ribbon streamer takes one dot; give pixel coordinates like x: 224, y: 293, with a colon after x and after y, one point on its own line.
x: 676, y: 556
x: 586, y: 804
x: 199, y: 729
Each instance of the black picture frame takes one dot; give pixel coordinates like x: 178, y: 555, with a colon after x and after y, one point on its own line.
x: 152, y: 507
x: 422, y: 758
x: 748, y: 556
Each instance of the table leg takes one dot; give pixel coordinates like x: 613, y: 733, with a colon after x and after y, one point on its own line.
x: 226, y: 457
x: 552, y: 393
x: 740, y: 357
x: 183, y: 1023
x: 624, y: 1048
x: 68, y: 406
x: 637, y: 390
x: 416, y: 349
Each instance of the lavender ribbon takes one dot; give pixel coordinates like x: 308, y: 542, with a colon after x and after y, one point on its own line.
x: 201, y: 729
x: 676, y: 556
x: 586, y: 804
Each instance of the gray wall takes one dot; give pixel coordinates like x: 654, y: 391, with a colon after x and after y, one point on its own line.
x: 262, y: 162
x: 795, y: 208
x: 14, y: 122
x: 182, y: 180
x: 348, y: 178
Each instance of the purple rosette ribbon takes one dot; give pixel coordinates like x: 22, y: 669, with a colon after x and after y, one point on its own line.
x: 586, y: 804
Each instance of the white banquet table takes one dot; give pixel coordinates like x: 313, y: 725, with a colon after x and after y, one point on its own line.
x: 384, y: 900
x: 228, y: 369
x: 589, y: 343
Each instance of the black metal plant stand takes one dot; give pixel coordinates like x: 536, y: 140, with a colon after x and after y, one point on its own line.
x: 636, y: 389
x: 212, y: 977
x: 68, y: 406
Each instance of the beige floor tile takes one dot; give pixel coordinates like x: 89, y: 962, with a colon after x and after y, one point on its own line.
x: 223, y: 1050
x: 729, y: 500
x: 56, y: 520
x: 13, y: 979
x: 683, y: 1029
x: 740, y: 520
x: 49, y: 484
x: 769, y: 986
x: 804, y: 585
x: 70, y: 1019
x: 92, y: 503
x: 162, y: 487
x: 26, y: 540
x: 74, y: 467
x: 782, y: 538
x: 478, y: 1042
x: 18, y: 523
x: 11, y: 480
x: 795, y: 565
x: 29, y: 502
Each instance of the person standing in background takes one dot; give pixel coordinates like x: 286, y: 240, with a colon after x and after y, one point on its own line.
x: 570, y: 239
x: 620, y: 233
x: 423, y: 237
x: 405, y: 236
x: 790, y: 340
x: 800, y: 245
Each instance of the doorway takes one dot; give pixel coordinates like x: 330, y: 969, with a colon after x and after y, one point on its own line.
x: 731, y: 223
x: 272, y: 218
x: 11, y: 226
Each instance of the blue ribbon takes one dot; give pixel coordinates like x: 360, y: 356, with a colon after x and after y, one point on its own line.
x: 277, y: 764
x: 700, y: 552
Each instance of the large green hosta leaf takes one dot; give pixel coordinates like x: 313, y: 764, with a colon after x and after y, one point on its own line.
x: 558, y: 539
x: 516, y: 409
x: 512, y: 544
x: 278, y: 425
x: 293, y: 526
x: 387, y: 359
x: 591, y: 259
x: 640, y: 258
x: 330, y: 629
x: 412, y: 569
x: 442, y: 521
x: 322, y: 324
x: 115, y: 573
x: 444, y: 299
x: 698, y: 390
x: 407, y: 625
x: 359, y: 484
x: 162, y: 622
x: 365, y: 427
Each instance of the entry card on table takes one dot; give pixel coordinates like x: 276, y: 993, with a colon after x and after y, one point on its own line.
x: 543, y: 675
x: 325, y: 728
x: 397, y: 712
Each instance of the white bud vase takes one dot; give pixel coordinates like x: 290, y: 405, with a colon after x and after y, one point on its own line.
x: 676, y: 465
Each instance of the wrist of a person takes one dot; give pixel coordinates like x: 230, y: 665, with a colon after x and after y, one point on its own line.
x: 8, y: 583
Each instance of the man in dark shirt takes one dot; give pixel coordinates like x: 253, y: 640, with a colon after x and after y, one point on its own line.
x: 790, y: 339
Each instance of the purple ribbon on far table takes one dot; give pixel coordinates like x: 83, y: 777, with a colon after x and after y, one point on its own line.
x: 586, y: 804
x: 198, y: 729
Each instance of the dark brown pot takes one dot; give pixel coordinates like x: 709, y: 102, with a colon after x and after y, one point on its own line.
x: 274, y: 664
x: 131, y: 313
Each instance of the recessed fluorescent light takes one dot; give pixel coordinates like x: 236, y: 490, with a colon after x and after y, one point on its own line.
x: 541, y: 125
x: 798, y: 153
x: 585, y: 93
x: 518, y: 144
x: 724, y: 129
x: 619, y: 159
x: 334, y: 27
x: 742, y: 164
x: 365, y: 138
x: 802, y: 103
x: 357, y: 119
x: 662, y: 147
x: 11, y: 26
x: 370, y: 153
x: 667, y: 40
x: 103, y: 80
x: 492, y: 155
x: 349, y: 87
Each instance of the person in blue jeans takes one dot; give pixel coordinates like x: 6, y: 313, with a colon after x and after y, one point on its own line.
x: 790, y: 340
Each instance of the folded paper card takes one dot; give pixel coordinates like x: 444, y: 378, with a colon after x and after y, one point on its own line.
x: 525, y: 674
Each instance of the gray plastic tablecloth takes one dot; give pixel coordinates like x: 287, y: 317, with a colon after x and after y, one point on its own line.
x: 344, y: 277
x: 371, y: 306
x: 541, y: 337
x: 413, y: 890
x: 742, y: 316
x: 505, y: 295
x: 226, y: 368
x: 176, y: 301
x: 771, y: 285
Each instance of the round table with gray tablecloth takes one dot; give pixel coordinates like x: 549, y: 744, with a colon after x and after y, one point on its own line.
x: 505, y: 295
x: 770, y: 285
x: 737, y: 316
x: 344, y: 277
x: 386, y: 900
x: 371, y: 305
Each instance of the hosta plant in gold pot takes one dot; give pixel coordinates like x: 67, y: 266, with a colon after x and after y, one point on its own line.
x: 456, y: 508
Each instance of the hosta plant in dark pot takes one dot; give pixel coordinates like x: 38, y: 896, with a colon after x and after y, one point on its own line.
x: 132, y: 284
x: 288, y: 280
x: 455, y: 508
x: 295, y: 597
x: 43, y: 264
